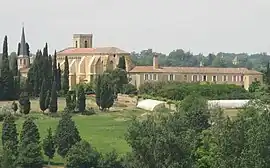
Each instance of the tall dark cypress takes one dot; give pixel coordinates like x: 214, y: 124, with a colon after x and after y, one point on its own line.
x: 66, y: 76
x: 6, y: 75
x: 53, y: 103
x: 19, y: 46
x: 42, y: 97
x: 59, y: 76
x: 122, y: 63
x: 27, y: 49
x: 54, y: 67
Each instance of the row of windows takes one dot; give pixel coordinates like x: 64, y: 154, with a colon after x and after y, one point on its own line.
x: 197, y: 78
x: 215, y: 78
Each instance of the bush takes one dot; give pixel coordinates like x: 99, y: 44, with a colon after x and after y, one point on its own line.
x: 89, y: 111
x: 4, y: 111
x: 178, y: 91
x: 129, y: 89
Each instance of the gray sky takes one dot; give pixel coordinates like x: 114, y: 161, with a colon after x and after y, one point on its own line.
x: 196, y: 25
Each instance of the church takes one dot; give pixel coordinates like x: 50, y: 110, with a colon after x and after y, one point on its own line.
x: 86, y: 61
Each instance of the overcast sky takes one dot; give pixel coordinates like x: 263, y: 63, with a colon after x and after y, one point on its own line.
x: 133, y: 25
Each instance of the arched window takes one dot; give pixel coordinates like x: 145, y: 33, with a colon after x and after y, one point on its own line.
x: 76, y: 44
x: 85, y: 44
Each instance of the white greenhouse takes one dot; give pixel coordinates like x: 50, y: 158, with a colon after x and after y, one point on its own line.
x: 227, y: 104
x: 151, y: 105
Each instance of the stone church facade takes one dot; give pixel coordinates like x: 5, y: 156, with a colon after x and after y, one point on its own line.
x: 86, y: 61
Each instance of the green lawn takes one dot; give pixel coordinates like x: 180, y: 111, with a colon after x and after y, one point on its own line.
x: 104, y: 130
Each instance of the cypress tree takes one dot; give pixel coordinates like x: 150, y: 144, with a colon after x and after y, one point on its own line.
x: 59, y: 75
x: 66, y: 134
x: 104, y: 92
x: 9, y: 134
x: 50, y: 73
x: 66, y: 76
x: 81, y: 99
x: 53, y: 103
x: 30, y: 154
x: 48, y: 99
x: 25, y: 103
x: 7, y: 79
x: 42, y: 96
x: 49, y: 146
x: 29, y: 133
x: 122, y: 63
x: 98, y: 90
x: 19, y: 46
x: 54, y: 67
x: 27, y: 49
x: 69, y: 102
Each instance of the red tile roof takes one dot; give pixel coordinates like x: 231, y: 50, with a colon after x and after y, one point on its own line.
x: 149, y: 69
x: 92, y: 50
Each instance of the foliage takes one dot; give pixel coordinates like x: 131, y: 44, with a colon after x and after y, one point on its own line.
x: 104, y: 91
x: 110, y: 159
x: 195, y: 112
x: 255, y: 86
x: 178, y: 91
x: 42, y: 97
x: 82, y: 155
x: 25, y: 104
x: 129, y: 89
x: 5, y: 111
x: 53, y: 101
x: 29, y: 133
x: 49, y: 145
x: 89, y: 111
x: 66, y: 134
x: 65, y: 84
x: 14, y: 106
x: 30, y: 155
x: 81, y: 99
x: 122, y: 63
x: 7, y: 79
x: 9, y: 134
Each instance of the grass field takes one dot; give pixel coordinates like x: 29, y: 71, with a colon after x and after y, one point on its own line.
x: 104, y: 130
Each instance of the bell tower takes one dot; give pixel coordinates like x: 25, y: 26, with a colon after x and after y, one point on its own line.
x: 83, y: 40
x: 23, y: 59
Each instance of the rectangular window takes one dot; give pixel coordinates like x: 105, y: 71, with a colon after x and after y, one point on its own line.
x: 214, y: 78
x: 185, y: 77
x: 146, y: 77
x: 241, y: 78
x: 194, y: 78
x: 204, y: 78
x: 234, y: 78
x: 225, y: 78
x: 154, y: 76
x: 171, y: 77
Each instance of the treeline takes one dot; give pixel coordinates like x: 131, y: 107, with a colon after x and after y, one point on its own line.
x: 9, y: 75
x: 180, y: 57
x: 45, y: 69
x: 178, y: 91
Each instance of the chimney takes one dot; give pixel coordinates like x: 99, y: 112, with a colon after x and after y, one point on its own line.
x: 155, y: 62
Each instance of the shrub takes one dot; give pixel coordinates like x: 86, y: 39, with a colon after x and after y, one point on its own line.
x: 4, y: 111
x: 129, y: 89
x: 89, y: 111
x: 178, y: 91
